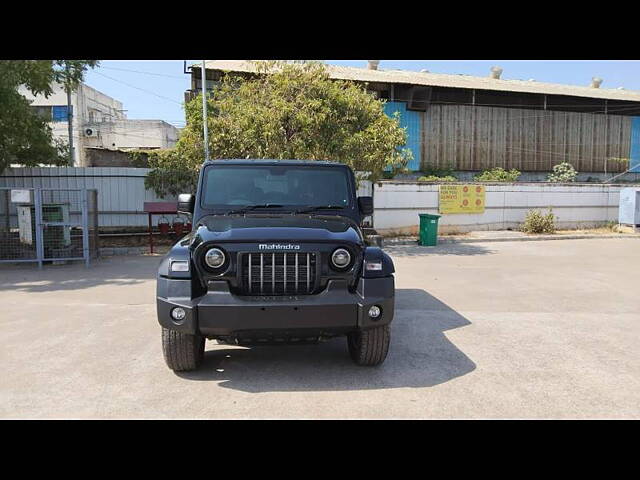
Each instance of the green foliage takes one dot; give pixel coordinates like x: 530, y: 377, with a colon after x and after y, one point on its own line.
x: 25, y: 137
x: 293, y: 112
x: 536, y: 222
x: 498, y: 174
x: 431, y: 170
x: 434, y: 178
x: 140, y: 158
x: 562, y: 173
x: 169, y: 175
x: 622, y: 161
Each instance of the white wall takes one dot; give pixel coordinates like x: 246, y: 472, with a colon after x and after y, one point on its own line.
x: 397, y: 205
x: 135, y: 134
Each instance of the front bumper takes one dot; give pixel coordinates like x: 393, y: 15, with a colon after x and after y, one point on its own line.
x: 336, y: 310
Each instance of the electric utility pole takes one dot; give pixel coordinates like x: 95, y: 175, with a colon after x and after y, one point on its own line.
x: 204, y: 112
x: 69, y: 118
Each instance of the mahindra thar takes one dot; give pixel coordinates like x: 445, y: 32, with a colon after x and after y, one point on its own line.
x: 276, y: 255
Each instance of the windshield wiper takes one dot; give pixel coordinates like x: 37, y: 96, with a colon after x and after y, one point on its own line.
x: 253, y: 207
x: 319, y: 207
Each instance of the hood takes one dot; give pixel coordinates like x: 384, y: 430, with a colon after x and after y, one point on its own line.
x: 276, y: 227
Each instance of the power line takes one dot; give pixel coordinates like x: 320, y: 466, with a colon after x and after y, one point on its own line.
x: 138, y: 88
x: 145, y: 73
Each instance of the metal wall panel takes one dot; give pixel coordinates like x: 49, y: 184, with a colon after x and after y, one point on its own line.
x: 634, y: 149
x: 412, y: 121
x: 469, y: 137
x: 121, y: 191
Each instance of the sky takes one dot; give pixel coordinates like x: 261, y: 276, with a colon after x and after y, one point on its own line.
x: 155, y: 89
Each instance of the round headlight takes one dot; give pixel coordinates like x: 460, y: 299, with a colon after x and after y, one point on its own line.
x: 340, y: 258
x: 214, y: 258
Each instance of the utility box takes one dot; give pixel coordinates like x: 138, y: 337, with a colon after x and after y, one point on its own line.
x: 57, y: 236
x: 26, y: 224
x: 629, y: 209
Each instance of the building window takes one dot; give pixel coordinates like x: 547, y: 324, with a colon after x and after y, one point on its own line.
x: 60, y: 113
x: 43, y: 111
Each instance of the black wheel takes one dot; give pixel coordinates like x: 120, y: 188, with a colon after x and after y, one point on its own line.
x: 182, y: 351
x: 370, y: 346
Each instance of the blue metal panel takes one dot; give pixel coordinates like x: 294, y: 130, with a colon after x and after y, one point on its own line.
x: 634, y: 155
x: 411, y: 121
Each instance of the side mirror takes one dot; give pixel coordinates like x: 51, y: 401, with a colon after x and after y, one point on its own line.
x: 186, y: 202
x: 365, y: 204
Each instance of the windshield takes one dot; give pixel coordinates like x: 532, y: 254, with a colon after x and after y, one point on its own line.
x: 277, y: 186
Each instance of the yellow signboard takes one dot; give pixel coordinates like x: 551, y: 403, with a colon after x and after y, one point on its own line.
x: 462, y: 198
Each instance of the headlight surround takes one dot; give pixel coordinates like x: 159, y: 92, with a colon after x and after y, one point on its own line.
x: 341, y: 259
x: 215, y: 258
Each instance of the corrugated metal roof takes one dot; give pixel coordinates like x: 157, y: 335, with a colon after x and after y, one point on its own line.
x: 446, y: 80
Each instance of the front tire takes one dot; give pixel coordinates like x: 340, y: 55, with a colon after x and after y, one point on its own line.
x: 369, y: 347
x: 182, y: 351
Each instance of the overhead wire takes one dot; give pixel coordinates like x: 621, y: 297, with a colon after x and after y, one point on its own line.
x: 139, y: 88
x: 144, y: 73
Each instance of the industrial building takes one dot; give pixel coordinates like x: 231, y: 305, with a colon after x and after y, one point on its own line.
x: 471, y: 123
x: 100, y: 126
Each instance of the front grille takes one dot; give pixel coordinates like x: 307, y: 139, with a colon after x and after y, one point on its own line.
x: 278, y: 273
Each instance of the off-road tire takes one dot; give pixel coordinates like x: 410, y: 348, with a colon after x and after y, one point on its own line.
x: 369, y: 347
x: 182, y: 351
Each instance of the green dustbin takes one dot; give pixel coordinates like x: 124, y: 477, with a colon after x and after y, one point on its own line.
x: 428, y: 229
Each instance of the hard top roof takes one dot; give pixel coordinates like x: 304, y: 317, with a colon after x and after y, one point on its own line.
x: 298, y: 163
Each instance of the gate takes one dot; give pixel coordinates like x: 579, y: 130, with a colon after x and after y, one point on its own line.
x: 48, y: 225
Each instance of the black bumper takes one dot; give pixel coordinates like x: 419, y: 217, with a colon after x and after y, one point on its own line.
x: 334, y: 311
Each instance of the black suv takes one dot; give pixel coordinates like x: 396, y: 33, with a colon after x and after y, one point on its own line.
x: 276, y: 255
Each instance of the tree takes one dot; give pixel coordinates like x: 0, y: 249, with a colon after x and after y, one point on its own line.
x: 286, y: 111
x: 25, y: 137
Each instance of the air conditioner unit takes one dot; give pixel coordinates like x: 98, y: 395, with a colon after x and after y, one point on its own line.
x: 90, y: 132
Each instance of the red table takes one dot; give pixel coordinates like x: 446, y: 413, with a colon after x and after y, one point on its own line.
x: 158, y: 208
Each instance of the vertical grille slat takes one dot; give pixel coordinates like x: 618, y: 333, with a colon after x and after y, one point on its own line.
x: 278, y: 273
x: 261, y: 272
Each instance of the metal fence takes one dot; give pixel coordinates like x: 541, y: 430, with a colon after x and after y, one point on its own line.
x: 48, y: 225
x: 121, y: 190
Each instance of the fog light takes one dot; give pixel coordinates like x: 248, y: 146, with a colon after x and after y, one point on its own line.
x: 374, y: 312
x: 178, y: 314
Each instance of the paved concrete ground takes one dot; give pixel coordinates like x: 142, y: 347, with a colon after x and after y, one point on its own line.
x: 496, y: 330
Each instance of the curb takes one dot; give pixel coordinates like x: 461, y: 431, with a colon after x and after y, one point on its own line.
x: 111, y: 251
x: 536, y: 238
